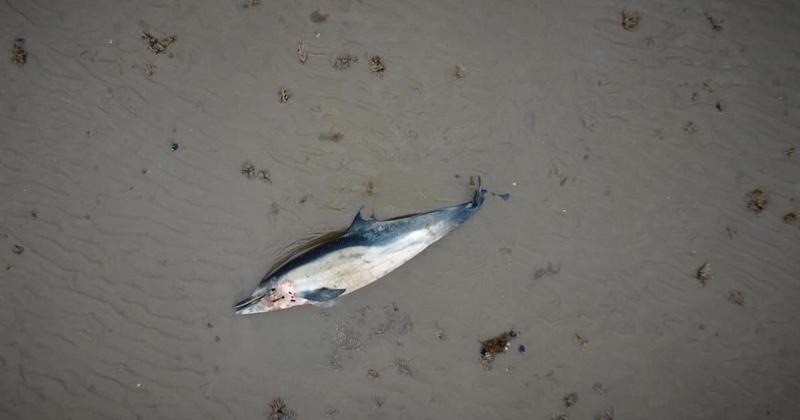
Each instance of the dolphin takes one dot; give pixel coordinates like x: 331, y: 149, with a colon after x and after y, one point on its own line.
x: 341, y: 262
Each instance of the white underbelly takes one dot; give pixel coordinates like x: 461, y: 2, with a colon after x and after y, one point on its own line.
x: 355, y: 267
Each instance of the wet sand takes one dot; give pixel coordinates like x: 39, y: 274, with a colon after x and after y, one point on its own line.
x: 628, y: 152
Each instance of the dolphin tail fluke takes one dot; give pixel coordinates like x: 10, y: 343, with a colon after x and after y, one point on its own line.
x: 480, y: 192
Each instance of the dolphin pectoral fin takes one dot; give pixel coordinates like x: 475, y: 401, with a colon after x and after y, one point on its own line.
x: 327, y: 304
x: 322, y: 294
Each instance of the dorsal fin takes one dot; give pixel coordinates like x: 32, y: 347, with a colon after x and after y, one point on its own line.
x: 359, y: 223
x: 302, y: 246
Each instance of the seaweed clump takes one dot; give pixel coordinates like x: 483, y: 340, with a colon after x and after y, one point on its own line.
x: 376, y: 66
x: 757, y: 200
x: 279, y: 411
x: 18, y: 54
x: 492, y: 347
x: 158, y: 45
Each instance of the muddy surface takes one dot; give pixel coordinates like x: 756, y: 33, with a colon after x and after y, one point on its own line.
x: 117, y: 303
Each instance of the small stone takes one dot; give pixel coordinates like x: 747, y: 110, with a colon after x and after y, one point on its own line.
x: 521, y: 348
x: 174, y: 147
x: 18, y: 249
x: 283, y: 95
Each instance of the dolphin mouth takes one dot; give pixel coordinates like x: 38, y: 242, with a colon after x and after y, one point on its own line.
x: 252, y: 305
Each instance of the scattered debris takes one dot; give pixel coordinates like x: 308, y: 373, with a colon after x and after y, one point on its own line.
x: 581, y: 340
x: 343, y: 61
x: 716, y: 24
x: 608, y: 414
x: 505, y: 250
x: 34, y: 214
x: 695, y: 97
x: 402, y: 367
x: 757, y: 200
x: 630, y: 20
x: 492, y: 347
x: 600, y: 388
x: 731, y: 231
x: 559, y: 416
x: 302, y: 56
x: 334, y: 361
x: 736, y: 296
x: 248, y: 170
x: 402, y: 324
x: 158, y: 45
x: 331, y: 412
x: 458, y: 73
x: 521, y: 348
x: 373, y: 374
x: 690, y: 127
x: 550, y: 270
x: 279, y: 411
x: 18, y: 249
x: 707, y: 85
x: 319, y: 15
x: 376, y: 66
x: 471, y: 182
x: 570, y: 399
x: 379, y: 401
x: 174, y: 147
x: 18, y: 54
x: 252, y: 3
x: 720, y: 106
x: 149, y: 70
x: 264, y: 176
x: 274, y: 208
x: 346, y: 338
x: 789, y: 152
x: 791, y: 217
x: 283, y: 95
x: 334, y: 136
x: 703, y: 274
x: 370, y: 188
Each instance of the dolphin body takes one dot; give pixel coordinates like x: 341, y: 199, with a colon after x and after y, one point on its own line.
x: 342, y: 262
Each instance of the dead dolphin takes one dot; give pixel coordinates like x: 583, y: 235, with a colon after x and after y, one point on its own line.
x: 342, y: 262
